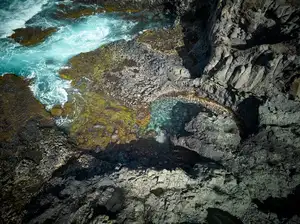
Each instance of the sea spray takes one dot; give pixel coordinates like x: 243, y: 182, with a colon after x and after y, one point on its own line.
x: 42, y: 62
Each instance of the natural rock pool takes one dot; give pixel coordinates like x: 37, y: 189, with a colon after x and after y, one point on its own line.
x: 77, y: 28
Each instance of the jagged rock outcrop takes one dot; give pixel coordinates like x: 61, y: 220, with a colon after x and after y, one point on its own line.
x: 138, y: 183
x: 256, y: 46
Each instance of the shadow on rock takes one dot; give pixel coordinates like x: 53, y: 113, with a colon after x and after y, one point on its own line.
x: 248, y: 110
x: 218, y: 216
x: 77, y: 182
x: 197, y: 24
x: 270, y: 35
x: 285, y: 208
x: 137, y: 155
x: 183, y: 113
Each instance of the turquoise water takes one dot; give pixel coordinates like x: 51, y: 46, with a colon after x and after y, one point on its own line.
x: 171, y: 115
x: 42, y: 62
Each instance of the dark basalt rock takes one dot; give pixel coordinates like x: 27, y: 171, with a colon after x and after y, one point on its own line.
x: 285, y: 207
x: 18, y: 106
x: 226, y: 51
x: 216, y: 216
x: 32, y: 35
x: 30, y: 146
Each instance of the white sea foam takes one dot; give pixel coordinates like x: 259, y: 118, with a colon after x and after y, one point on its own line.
x: 42, y: 62
x: 16, y: 14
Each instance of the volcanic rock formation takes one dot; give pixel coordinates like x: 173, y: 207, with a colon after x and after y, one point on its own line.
x: 234, y: 68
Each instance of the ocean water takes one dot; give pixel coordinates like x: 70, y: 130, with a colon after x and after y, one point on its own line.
x: 42, y: 62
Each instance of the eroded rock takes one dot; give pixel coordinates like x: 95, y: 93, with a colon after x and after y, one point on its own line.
x: 147, y: 182
x: 128, y: 194
x: 257, y: 48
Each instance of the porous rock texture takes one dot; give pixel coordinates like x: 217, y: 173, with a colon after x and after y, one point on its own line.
x: 241, y: 54
x: 31, y: 148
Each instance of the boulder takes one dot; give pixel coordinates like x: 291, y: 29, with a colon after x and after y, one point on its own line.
x: 32, y: 35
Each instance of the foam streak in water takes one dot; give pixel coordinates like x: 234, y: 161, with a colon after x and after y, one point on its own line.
x: 43, y: 61
x: 15, y: 14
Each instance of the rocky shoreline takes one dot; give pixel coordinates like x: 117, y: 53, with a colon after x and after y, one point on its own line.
x: 228, y: 72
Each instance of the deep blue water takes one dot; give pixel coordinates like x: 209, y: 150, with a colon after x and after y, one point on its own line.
x: 42, y: 62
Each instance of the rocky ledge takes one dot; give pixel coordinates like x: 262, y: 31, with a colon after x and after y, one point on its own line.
x: 229, y: 148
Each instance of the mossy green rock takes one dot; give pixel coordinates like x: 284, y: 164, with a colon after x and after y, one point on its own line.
x: 17, y: 106
x: 103, y: 120
x: 32, y: 35
x: 103, y: 116
x: 67, y: 12
x: 93, y: 64
x: 165, y: 40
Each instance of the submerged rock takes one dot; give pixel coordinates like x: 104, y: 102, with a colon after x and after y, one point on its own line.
x: 32, y: 35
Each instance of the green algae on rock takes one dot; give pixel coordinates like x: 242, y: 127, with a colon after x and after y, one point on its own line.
x: 102, y: 120
x: 17, y: 106
x: 168, y: 41
x: 125, y: 6
x: 93, y: 64
x: 66, y: 12
x: 32, y: 35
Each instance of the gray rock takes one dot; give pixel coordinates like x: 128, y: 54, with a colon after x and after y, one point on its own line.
x: 245, y: 57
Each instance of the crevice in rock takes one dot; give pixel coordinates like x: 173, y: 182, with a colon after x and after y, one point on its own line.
x: 218, y: 216
x: 197, y: 25
x: 285, y: 207
x: 270, y: 35
x: 137, y: 155
x: 248, y: 110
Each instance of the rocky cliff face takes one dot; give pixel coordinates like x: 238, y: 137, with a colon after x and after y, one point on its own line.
x: 256, y: 46
x: 237, y: 160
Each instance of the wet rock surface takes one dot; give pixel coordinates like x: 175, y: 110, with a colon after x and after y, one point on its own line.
x: 32, y: 35
x: 68, y: 11
x: 235, y: 160
x: 18, y: 106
